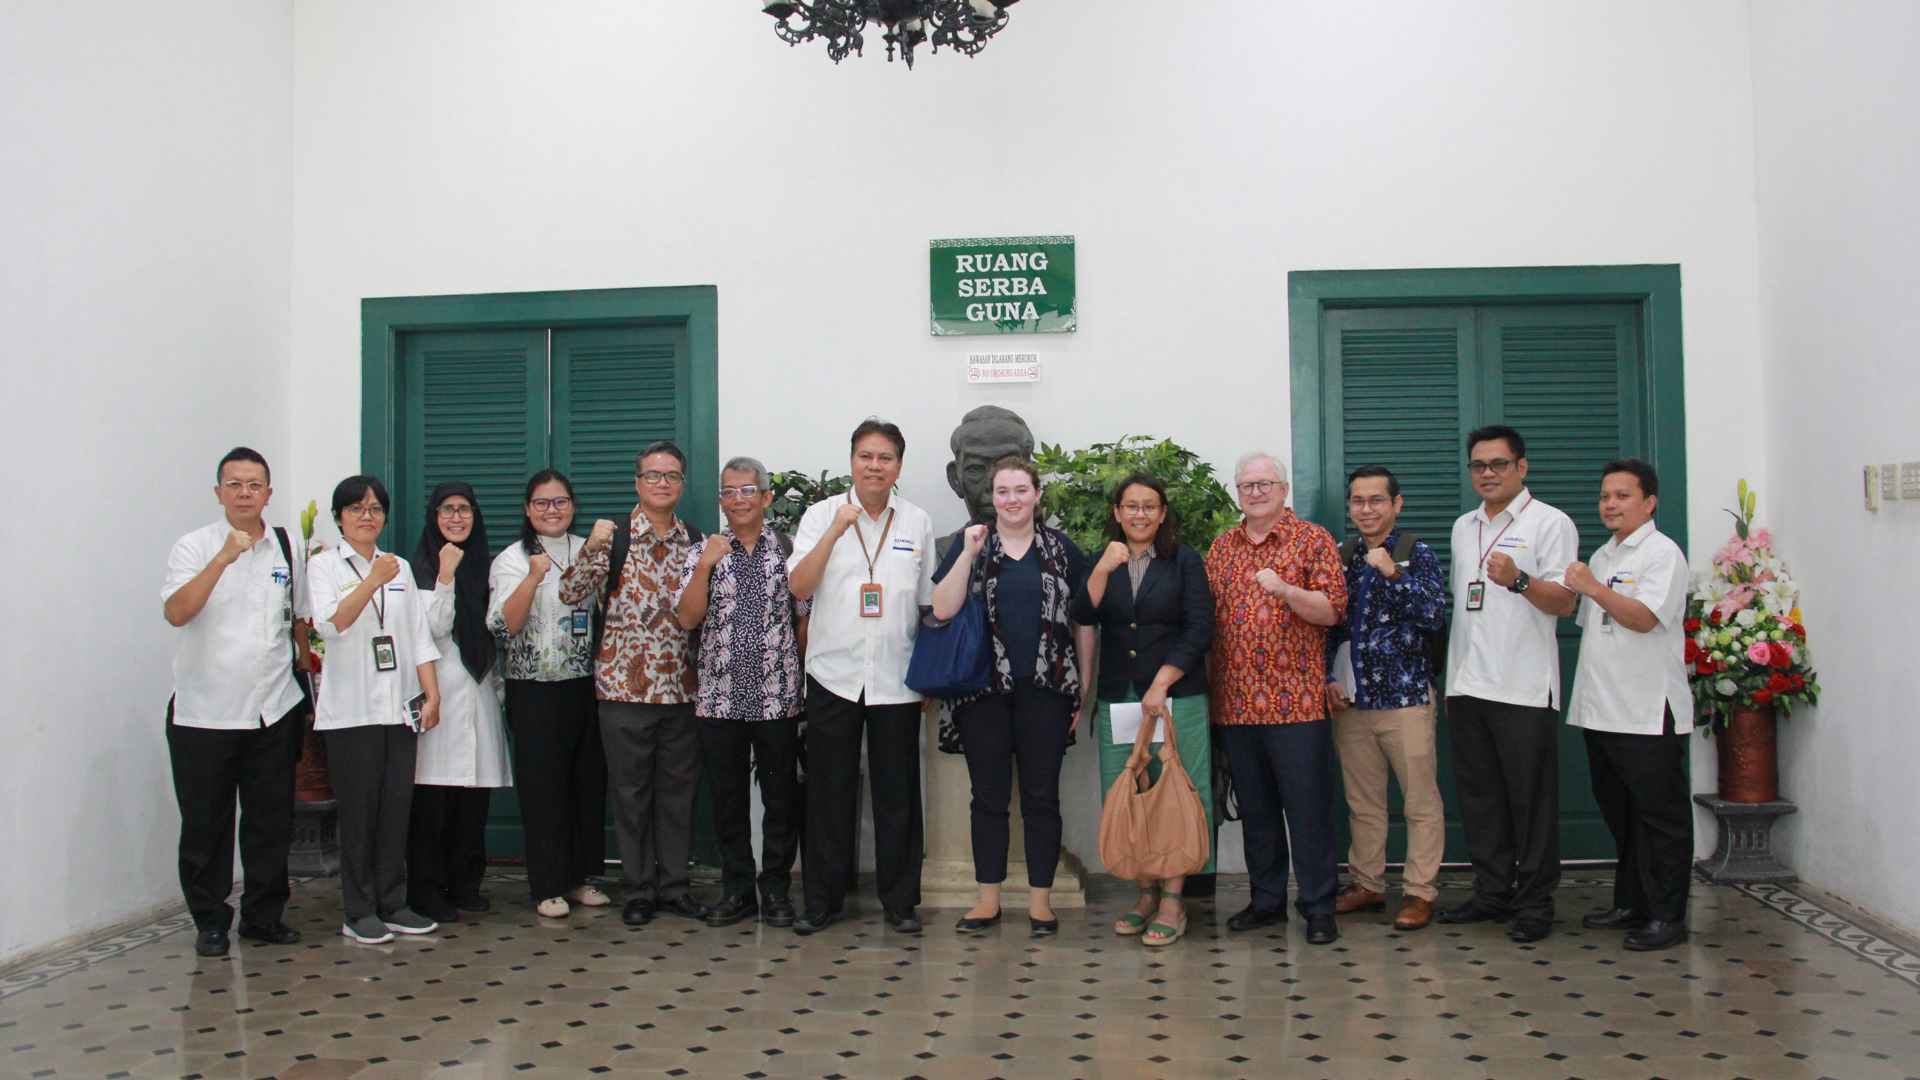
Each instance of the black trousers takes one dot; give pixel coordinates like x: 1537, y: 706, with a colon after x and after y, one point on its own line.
x: 1029, y: 726
x: 834, y: 729
x: 1640, y: 782
x: 560, y: 775
x: 447, y: 842
x: 210, y: 770
x: 653, y: 769
x: 1283, y: 777
x: 1506, y: 767
x: 736, y: 753
x: 371, y: 768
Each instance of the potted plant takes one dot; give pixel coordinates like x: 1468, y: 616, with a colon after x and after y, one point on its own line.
x: 1078, y: 496
x: 1747, y: 657
x: 316, y: 826
x: 794, y: 491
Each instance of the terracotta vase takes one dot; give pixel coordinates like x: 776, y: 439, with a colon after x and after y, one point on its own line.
x: 1749, y: 758
x: 310, y: 781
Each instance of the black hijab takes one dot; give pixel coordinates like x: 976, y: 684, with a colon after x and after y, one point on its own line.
x: 469, y: 578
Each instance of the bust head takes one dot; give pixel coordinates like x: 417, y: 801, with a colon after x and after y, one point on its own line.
x: 985, y: 435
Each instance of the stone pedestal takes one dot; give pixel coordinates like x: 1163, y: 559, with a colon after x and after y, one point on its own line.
x: 316, y: 839
x: 946, y: 881
x: 1745, y: 852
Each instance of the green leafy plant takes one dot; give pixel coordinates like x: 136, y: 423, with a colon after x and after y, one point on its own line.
x: 794, y: 491
x: 1079, y: 486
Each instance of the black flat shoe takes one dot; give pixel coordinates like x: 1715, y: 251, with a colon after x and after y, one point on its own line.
x: 1527, y: 931
x: 685, y: 906
x: 1041, y: 928
x: 903, y: 922
x: 1657, y: 934
x: 1253, y: 918
x: 1322, y: 930
x: 437, y: 908
x: 813, y: 923
x: 637, y: 912
x: 969, y: 924
x: 776, y: 911
x: 1472, y: 911
x: 1620, y: 918
x: 475, y: 904
x: 732, y: 909
x: 212, y: 943
x: 276, y: 933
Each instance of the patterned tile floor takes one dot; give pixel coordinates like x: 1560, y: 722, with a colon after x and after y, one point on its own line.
x: 1776, y: 983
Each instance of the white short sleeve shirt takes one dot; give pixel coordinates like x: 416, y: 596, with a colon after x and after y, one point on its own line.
x: 353, y: 691
x: 1627, y: 681
x: 233, y: 663
x: 1506, y: 651
x: 848, y: 654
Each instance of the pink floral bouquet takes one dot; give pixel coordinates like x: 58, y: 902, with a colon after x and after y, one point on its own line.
x: 1746, y: 645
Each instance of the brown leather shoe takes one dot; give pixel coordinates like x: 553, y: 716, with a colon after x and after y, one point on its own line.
x: 1415, y: 914
x: 1354, y: 898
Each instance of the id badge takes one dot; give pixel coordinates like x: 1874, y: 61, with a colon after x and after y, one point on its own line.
x: 582, y: 623
x: 384, y: 658
x: 1476, y: 595
x: 870, y: 600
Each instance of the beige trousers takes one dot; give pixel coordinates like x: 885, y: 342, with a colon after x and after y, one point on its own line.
x: 1370, y: 743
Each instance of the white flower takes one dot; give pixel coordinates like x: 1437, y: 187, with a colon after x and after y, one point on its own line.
x: 1746, y: 617
x: 1724, y: 687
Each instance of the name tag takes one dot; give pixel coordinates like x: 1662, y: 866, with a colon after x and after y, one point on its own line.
x: 1476, y: 595
x: 870, y: 600
x: 582, y: 623
x: 907, y: 546
x: 384, y: 656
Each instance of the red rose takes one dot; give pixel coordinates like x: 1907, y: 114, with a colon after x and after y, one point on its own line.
x: 1714, y: 618
x: 1795, y: 684
x: 1782, y: 654
x: 1799, y: 631
x: 1762, y: 697
x: 1692, y: 626
x: 1693, y: 651
x: 1779, y: 684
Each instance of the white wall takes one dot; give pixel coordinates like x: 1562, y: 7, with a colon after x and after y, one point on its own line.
x: 145, y: 216
x: 1836, y: 89
x: 1199, y: 152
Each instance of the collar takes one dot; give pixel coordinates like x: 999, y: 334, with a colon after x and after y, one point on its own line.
x: 893, y: 503
x: 640, y: 527
x: 1144, y: 556
x: 1522, y: 500
x: 734, y: 537
x: 222, y: 526
x: 348, y: 555
x: 1634, y: 538
x: 1280, y: 525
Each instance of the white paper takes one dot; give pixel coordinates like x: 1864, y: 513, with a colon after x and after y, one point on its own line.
x: 1125, y: 721
x: 1342, y: 669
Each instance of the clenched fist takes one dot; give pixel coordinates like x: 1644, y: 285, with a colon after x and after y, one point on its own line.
x: 1581, y: 580
x: 1113, y: 558
x: 236, y: 545
x: 1337, y: 697
x: 537, y: 567
x: 844, y: 516
x: 1382, y: 560
x: 1267, y: 579
x: 1501, y: 570
x: 600, y: 537
x: 450, y: 556
x: 716, y: 549
x: 976, y: 535
x: 385, y: 569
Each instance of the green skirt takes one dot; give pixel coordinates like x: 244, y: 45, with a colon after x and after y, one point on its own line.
x: 1190, y: 727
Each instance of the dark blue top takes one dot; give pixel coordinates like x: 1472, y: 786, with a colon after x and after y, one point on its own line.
x: 1017, y: 599
x: 1388, y: 623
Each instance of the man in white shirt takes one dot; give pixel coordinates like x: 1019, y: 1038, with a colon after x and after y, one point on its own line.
x: 866, y: 560
x: 1503, y: 686
x: 1630, y: 695
x: 239, y: 597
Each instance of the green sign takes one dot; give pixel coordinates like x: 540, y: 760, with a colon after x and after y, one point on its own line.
x: 1002, y: 285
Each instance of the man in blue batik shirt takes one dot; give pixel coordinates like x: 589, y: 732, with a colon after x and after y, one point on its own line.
x: 1397, y: 605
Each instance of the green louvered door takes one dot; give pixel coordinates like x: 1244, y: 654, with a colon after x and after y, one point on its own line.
x: 1402, y: 387
x: 492, y: 407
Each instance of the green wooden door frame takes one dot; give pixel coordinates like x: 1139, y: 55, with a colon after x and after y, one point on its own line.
x: 1654, y: 287
x: 384, y: 319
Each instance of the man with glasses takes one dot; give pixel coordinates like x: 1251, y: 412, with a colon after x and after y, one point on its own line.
x: 752, y: 632
x: 1397, y: 603
x: 239, y: 598
x: 1277, y: 586
x: 1510, y: 556
x: 645, y: 680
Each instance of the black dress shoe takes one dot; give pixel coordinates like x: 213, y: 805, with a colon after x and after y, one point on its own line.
x: 813, y: 922
x: 1043, y: 927
x: 1253, y: 918
x: 1321, y: 930
x: 1198, y: 885
x: 1620, y: 918
x: 969, y: 924
x: 476, y: 903
x: 212, y: 943
x: 637, y: 912
x: 903, y: 922
x: 1526, y: 930
x: 685, y: 906
x: 732, y: 909
x: 777, y: 911
x: 437, y: 908
x: 1472, y: 911
x: 274, y: 933
x: 1657, y: 934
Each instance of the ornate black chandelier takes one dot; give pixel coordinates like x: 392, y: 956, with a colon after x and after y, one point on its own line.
x: 963, y: 25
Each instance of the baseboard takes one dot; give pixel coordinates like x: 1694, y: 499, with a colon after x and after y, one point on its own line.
x: 38, y: 953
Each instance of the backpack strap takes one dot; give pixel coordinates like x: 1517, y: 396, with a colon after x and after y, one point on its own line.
x: 1403, y: 547
x: 299, y: 677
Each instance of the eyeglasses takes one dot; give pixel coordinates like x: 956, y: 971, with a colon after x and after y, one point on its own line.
x: 544, y: 505
x: 744, y: 491
x: 365, y: 512
x: 1366, y: 502
x: 235, y: 487
x: 1139, y: 509
x: 654, y: 478
x: 1497, y: 466
x: 1257, y: 487
x: 456, y: 512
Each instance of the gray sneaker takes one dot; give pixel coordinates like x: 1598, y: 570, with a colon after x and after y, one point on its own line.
x: 366, y: 931
x: 408, y: 921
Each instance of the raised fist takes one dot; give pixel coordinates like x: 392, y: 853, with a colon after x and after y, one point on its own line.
x: 845, y: 515
x: 716, y: 549
x: 1113, y: 558
x: 450, y: 555
x: 385, y: 569
x: 1382, y: 560
x: 976, y: 535
x: 1500, y: 569
x: 236, y: 545
x: 1267, y: 579
x: 1581, y: 580
x: 537, y: 567
x: 600, y: 537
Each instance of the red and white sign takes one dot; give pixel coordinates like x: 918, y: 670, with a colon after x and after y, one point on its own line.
x: 985, y: 368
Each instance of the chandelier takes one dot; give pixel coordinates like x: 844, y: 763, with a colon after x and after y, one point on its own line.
x: 963, y: 25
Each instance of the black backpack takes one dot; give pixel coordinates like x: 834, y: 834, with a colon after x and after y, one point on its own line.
x: 1403, y: 552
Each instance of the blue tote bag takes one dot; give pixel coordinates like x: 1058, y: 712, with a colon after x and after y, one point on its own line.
x: 952, y: 659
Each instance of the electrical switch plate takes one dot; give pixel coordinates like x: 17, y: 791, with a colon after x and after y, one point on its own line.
x: 1889, y: 482
x: 1870, y: 479
x: 1910, y: 480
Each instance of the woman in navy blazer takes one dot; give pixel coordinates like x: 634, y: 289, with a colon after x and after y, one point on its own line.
x: 1149, y: 597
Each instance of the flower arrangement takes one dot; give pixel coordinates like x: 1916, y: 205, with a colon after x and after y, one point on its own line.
x: 1746, y: 645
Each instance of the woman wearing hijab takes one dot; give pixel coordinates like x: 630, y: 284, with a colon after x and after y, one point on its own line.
x: 465, y: 757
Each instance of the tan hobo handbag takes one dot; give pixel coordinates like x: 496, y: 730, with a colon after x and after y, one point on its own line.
x: 1158, y: 831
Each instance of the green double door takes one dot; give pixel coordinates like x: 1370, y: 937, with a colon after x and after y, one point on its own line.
x: 492, y: 407
x: 1404, y: 385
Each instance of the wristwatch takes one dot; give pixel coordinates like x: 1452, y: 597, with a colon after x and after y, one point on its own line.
x: 1520, y: 582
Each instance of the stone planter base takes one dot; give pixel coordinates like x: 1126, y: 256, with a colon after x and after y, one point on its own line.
x: 316, y: 839
x: 1745, y: 852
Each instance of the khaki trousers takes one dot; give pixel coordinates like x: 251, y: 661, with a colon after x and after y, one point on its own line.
x: 1370, y: 743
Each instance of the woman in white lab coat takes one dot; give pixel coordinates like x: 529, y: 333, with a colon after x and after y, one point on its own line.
x: 465, y: 757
